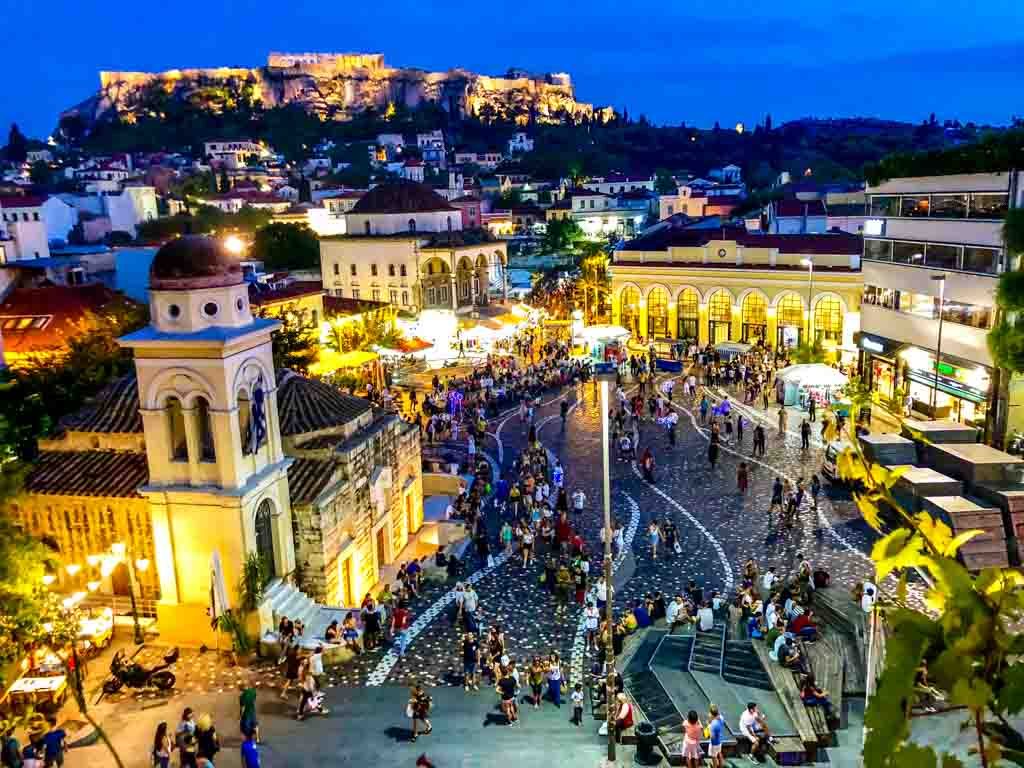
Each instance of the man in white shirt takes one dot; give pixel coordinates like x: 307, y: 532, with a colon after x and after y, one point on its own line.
x: 579, y: 500
x: 867, y: 600
x: 755, y: 727
x: 470, y: 600
x: 706, y: 618
x: 768, y: 581
x: 601, y: 592
x: 675, y: 614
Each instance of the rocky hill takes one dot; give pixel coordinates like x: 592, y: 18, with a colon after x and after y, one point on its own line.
x: 337, y: 86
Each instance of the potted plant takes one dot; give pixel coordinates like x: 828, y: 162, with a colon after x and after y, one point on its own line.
x: 242, y: 649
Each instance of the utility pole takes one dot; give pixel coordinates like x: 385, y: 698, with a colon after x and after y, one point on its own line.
x: 605, y: 372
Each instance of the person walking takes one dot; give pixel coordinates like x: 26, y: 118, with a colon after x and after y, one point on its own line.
x: 207, y: 740
x: 555, y: 679
x: 418, y: 710
x: 783, y: 421
x: 654, y: 536
x: 742, y: 478
x: 716, y: 733
x: 162, y: 745
x: 812, y: 409
x: 713, y: 454
x: 805, y: 435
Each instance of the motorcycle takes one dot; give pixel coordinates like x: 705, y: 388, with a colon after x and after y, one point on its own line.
x: 126, y: 672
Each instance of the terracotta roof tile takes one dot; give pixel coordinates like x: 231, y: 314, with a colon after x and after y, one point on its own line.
x: 307, y: 478
x: 114, y: 410
x: 305, y: 405
x: 88, y: 473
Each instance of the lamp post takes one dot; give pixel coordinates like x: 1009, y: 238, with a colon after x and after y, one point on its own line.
x: 941, y: 280
x: 605, y: 373
x: 118, y: 554
x: 810, y: 290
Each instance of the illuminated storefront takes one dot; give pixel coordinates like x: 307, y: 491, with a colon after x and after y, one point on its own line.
x: 956, y: 389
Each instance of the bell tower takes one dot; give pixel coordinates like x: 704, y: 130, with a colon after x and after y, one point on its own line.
x: 207, y: 389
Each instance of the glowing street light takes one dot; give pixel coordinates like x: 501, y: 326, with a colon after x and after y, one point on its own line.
x: 234, y: 245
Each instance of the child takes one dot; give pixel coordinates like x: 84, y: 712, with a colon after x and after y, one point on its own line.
x: 577, y: 705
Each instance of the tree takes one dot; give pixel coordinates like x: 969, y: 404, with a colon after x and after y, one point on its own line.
x: 768, y: 122
x: 225, y: 182
x: 286, y: 246
x: 1006, y: 339
x: 664, y: 184
x: 17, y: 145
x: 39, y: 173
x: 294, y: 346
x: 561, y: 234
x: 305, y: 193
x: 965, y: 631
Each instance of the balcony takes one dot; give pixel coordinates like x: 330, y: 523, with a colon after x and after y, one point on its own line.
x: 957, y: 340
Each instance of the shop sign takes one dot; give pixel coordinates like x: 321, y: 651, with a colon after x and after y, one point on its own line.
x: 871, y: 345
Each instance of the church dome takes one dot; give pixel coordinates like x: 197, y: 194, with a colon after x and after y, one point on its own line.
x: 401, y: 197
x: 194, y: 261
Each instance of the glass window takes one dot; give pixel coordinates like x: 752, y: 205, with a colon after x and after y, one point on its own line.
x: 879, y: 250
x: 391, y: 270
x: 657, y: 312
x: 402, y: 270
x: 205, y: 427
x: 352, y: 269
x: 919, y: 304
x: 885, y: 205
x: 908, y: 253
x: 828, y: 319
x: 755, y: 317
x: 337, y: 269
x: 967, y: 314
x: 720, y: 307
x: 791, y: 310
x: 405, y: 298
x: 942, y: 256
x: 373, y: 270
x: 981, y: 259
x: 914, y: 205
x: 949, y: 206
x: 376, y: 294
x: 688, y: 309
x: 629, y: 314
x: 988, y: 205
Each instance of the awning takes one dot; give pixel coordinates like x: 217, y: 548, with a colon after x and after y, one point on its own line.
x: 878, y: 345
x: 947, y: 385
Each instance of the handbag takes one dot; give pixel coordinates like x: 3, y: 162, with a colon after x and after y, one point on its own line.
x: 678, y: 548
x: 408, y: 710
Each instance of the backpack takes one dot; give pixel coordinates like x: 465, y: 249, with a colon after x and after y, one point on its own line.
x: 821, y: 579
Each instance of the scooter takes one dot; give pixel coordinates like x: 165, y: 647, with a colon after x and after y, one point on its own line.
x: 126, y: 672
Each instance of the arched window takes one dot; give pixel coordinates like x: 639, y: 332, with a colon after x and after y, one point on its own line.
x: 688, y: 306
x: 205, y: 430
x: 719, y: 317
x: 366, y: 226
x: 828, y: 319
x: 176, y: 430
x: 401, y: 270
x: 412, y: 225
x: 449, y: 223
x: 755, y: 317
x: 657, y: 313
x: 265, y: 535
x: 244, y: 416
x: 629, y: 309
x: 790, y: 313
x: 391, y: 270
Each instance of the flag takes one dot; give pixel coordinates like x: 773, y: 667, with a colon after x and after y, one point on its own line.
x: 219, y: 604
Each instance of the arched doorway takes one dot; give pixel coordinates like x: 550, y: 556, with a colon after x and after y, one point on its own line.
x: 629, y: 313
x: 790, y: 313
x: 688, y: 307
x: 265, y: 535
x: 121, y: 580
x: 657, y: 313
x: 464, y: 277
x: 755, y: 318
x: 719, y: 317
x: 828, y: 319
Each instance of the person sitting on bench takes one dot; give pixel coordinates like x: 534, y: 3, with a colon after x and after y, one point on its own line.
x: 624, y: 716
x: 754, y: 726
x: 803, y: 626
x: 813, y: 696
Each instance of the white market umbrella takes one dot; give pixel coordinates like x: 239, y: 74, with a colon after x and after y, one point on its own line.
x: 812, y: 375
x: 219, y: 604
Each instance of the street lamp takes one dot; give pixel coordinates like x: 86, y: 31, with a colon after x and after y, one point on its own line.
x: 941, y: 280
x: 605, y: 373
x: 119, y: 554
x: 810, y: 289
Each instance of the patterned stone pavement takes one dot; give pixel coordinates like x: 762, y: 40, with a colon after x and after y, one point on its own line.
x: 719, y: 530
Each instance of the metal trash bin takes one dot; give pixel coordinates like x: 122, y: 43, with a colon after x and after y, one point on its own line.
x: 646, y: 743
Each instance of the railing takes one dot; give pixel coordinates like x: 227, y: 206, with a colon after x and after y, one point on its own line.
x: 721, y: 657
x: 121, y: 604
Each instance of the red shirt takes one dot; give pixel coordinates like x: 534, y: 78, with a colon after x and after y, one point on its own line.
x: 799, y: 623
x: 401, y: 619
x: 563, y: 530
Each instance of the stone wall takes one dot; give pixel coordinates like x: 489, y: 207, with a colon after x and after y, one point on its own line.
x: 79, y: 526
x: 343, y: 525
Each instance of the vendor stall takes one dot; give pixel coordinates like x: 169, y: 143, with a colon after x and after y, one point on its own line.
x: 605, y: 342
x: 43, y: 693
x: 95, y: 631
x: 728, y: 350
x: 799, y: 384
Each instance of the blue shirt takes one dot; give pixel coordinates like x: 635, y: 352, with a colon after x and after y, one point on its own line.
x: 717, y: 729
x: 642, y: 619
x: 250, y: 755
x: 52, y: 743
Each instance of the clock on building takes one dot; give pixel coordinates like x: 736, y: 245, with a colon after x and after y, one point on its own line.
x: 722, y: 253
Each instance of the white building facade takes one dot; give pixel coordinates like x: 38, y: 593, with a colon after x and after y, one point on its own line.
x: 933, y: 245
x: 22, y: 229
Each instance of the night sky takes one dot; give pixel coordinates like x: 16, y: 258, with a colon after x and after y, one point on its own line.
x: 674, y: 61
